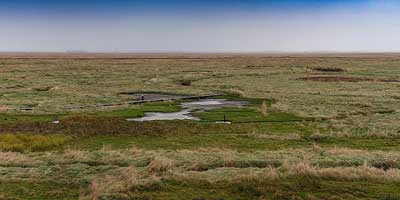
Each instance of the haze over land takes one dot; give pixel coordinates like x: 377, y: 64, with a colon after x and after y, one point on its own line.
x: 226, y: 100
x: 161, y: 26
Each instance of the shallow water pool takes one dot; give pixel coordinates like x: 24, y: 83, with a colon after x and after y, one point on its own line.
x: 188, y: 108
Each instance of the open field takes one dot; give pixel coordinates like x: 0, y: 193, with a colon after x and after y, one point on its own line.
x: 317, y: 126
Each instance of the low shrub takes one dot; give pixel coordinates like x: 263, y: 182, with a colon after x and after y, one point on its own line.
x: 43, y: 89
x: 185, y: 82
x: 328, y: 69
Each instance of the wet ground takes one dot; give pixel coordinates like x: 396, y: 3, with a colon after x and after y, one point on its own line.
x: 188, y: 108
x: 154, y: 96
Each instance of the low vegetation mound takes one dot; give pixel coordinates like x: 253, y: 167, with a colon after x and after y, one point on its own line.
x: 184, y: 82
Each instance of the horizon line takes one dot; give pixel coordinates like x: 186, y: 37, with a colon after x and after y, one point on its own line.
x: 196, y: 52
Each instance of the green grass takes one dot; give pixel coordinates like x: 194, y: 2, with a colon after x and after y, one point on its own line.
x: 141, y: 109
x: 231, y: 141
x: 246, y: 115
x: 251, y: 101
x: 172, y: 190
x: 133, y: 112
x: 21, y: 118
x: 238, y: 141
x: 30, y: 190
x: 298, y: 188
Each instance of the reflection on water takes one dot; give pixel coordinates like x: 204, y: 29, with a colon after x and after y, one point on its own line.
x: 150, y: 116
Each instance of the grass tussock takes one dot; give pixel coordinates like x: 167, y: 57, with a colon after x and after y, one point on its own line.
x: 3, y: 109
x: 124, y: 184
x: 335, y: 79
x: 76, y: 155
x: 264, y: 108
x: 30, y: 142
x: 161, y: 164
x: 185, y: 82
x: 305, y: 169
x: 237, y: 92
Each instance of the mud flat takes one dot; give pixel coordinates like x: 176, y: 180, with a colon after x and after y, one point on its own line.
x: 188, y: 108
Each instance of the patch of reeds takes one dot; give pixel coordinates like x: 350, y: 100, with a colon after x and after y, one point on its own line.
x: 30, y: 142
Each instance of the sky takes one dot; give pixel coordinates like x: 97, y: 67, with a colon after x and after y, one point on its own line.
x: 200, y: 25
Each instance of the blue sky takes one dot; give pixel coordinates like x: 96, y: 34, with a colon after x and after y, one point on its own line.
x: 201, y: 25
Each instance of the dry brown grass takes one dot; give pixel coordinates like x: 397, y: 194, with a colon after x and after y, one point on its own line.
x: 3, y: 109
x: 237, y: 92
x: 161, y: 165
x: 271, y: 76
x: 126, y: 172
x: 264, y: 108
x: 342, y: 173
x: 127, y: 181
x: 293, y: 136
x: 76, y: 155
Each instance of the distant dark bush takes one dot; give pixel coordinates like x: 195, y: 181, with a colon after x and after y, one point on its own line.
x: 43, y: 89
x: 385, y: 164
x: 185, y: 82
x: 328, y: 69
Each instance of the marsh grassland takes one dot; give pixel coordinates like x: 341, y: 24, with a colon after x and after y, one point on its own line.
x: 317, y: 126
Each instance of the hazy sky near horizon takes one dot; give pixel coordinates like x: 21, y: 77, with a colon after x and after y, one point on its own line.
x: 199, y: 25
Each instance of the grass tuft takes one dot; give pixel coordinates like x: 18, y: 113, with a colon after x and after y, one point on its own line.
x: 161, y: 164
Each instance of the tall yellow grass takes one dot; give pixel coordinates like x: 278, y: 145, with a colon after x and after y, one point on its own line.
x: 30, y: 142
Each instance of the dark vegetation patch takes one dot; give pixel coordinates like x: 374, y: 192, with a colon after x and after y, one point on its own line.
x: 43, y: 89
x: 328, y: 69
x: 334, y: 79
x: 19, y: 118
x: 236, y: 96
x: 289, y: 188
x: 91, y: 125
x: 386, y: 111
x: 390, y: 80
x: 258, y: 66
x: 344, y: 79
x: 386, y: 164
x: 184, y: 82
x: 45, y: 190
x: 151, y: 92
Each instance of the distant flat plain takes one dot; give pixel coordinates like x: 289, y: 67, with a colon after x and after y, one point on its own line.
x: 318, y: 126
